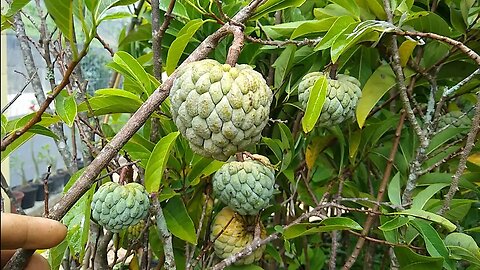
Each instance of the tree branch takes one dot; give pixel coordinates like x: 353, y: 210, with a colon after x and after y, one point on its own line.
x: 463, y: 159
x: 165, y: 235
x: 381, y: 191
x: 129, y: 129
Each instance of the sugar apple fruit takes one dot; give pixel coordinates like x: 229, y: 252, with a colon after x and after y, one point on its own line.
x: 247, y: 186
x: 453, y: 119
x: 341, y: 100
x: 236, y: 236
x: 219, y: 109
x: 132, y: 236
x: 116, y: 207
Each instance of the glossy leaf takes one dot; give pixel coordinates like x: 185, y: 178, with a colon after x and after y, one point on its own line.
x: 433, y: 242
x: 405, y: 51
x: 410, y: 260
x: 336, y: 29
x: 394, y: 223
x: 157, y: 162
x: 312, y: 27
x: 463, y: 246
x: 55, y: 255
x: 381, y: 81
x: 274, y: 5
x: 423, y: 196
x: 428, y: 216
x: 178, y: 221
x: 62, y: 13
x: 283, y: 64
x: 315, y: 104
x: 66, y: 107
x: 326, y: 225
x: 180, y: 43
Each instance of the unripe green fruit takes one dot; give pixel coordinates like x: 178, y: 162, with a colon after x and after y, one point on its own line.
x: 132, y: 236
x: 219, y: 109
x: 117, y: 207
x: 453, y: 120
x: 341, y: 100
x: 245, y: 186
x: 236, y: 236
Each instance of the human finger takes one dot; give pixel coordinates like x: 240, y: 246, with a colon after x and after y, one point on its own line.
x: 36, y: 262
x: 30, y: 232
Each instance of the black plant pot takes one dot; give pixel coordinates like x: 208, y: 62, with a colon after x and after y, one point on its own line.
x: 30, y: 193
x: 40, y: 191
x: 55, y: 183
x: 66, y: 176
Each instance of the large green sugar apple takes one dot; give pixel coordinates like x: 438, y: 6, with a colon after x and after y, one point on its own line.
x: 219, y: 109
x: 236, y: 236
x: 341, y: 99
x: 116, y: 207
x: 245, y: 186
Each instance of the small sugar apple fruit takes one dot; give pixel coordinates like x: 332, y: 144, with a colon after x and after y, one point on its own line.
x: 341, y: 100
x: 219, y: 109
x: 117, y: 207
x: 454, y: 119
x: 245, y: 186
x: 236, y: 236
x: 132, y: 236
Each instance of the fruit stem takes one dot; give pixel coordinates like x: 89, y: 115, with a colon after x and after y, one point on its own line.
x: 333, y: 71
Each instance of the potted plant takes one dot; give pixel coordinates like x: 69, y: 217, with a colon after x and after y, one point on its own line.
x: 29, y: 191
x: 18, y: 197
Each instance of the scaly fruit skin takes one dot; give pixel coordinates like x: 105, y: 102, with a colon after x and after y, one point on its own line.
x: 116, y: 207
x: 246, y: 187
x: 236, y: 236
x: 453, y: 119
x: 219, y: 109
x: 341, y: 99
x: 132, y: 235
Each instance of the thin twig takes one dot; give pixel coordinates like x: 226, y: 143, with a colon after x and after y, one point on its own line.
x: 105, y: 45
x: 19, y: 93
x: 45, y: 190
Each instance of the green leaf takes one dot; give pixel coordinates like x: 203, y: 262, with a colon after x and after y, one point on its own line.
x: 428, y: 216
x: 410, y: 260
x: 340, y: 24
x: 326, y: 225
x: 283, y: 64
x: 55, y: 255
x: 77, y: 220
x: 315, y: 104
x: 180, y: 43
x: 274, y: 5
x: 157, y: 162
x: 73, y: 179
x: 349, y: 5
x: 423, y: 196
x: 382, y: 80
x: 38, y: 129
x: 203, y: 167
x: 463, y: 246
x: 312, y: 27
x: 394, y: 223
x: 139, y: 33
x: 4, y: 124
x: 62, y: 14
x: 178, y: 10
x: 394, y: 190
x: 433, y: 242
x: 178, y: 221
x: 116, y: 16
x: 135, y: 70
x: 425, y: 21
x: 13, y: 7
x: 108, y: 101
x: 15, y: 144
x: 66, y: 107
x: 406, y: 50
x: 244, y: 267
